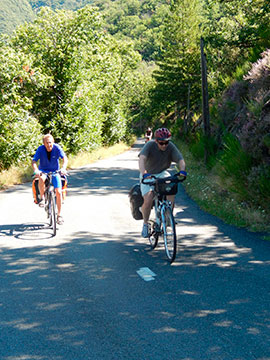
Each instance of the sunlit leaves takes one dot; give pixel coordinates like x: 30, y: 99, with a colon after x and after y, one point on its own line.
x: 179, y: 65
x: 67, y: 72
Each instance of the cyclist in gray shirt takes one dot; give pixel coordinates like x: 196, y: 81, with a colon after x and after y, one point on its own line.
x: 154, y: 159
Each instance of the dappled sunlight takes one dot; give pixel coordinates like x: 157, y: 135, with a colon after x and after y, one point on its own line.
x: 25, y: 266
x: 93, y: 179
x: 20, y: 324
x: 88, y: 280
x: 165, y: 330
x: 50, y: 307
x: 223, y: 324
x: 204, y: 313
x: 166, y: 314
x: 67, y: 291
x: 188, y: 220
x: 205, y: 245
x: 187, y: 292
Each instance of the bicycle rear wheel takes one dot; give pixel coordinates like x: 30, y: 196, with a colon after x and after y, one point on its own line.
x: 169, y: 233
x: 52, y: 213
x: 154, y: 234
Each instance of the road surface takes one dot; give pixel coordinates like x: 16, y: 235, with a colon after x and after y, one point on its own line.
x: 96, y: 291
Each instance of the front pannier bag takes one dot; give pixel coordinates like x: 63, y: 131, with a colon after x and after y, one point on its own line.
x: 136, y: 201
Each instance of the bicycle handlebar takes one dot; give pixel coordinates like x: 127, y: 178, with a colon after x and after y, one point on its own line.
x: 50, y: 173
x: 173, y: 178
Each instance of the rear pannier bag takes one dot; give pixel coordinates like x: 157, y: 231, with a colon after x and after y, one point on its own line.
x: 35, y: 191
x: 136, y: 201
x: 64, y: 186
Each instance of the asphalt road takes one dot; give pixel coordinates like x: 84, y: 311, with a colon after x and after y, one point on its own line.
x: 85, y: 294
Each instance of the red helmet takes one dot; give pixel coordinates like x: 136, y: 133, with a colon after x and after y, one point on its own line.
x: 162, y: 134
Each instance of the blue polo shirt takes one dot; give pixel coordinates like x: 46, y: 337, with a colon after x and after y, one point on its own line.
x: 46, y: 165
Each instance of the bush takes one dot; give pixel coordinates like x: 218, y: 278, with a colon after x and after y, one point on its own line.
x: 20, y: 136
x: 258, y: 184
x: 235, y: 164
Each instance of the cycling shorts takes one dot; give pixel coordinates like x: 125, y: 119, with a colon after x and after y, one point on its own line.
x: 56, y: 181
x: 146, y: 188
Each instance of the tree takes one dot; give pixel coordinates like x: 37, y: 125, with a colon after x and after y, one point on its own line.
x: 55, y: 40
x: 139, y: 21
x: 179, y: 65
x: 87, y: 72
x: 19, y: 129
x: 235, y: 34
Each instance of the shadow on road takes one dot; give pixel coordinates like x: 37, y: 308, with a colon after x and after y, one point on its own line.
x: 27, y: 231
x: 100, y: 181
x: 92, y: 281
x: 83, y: 299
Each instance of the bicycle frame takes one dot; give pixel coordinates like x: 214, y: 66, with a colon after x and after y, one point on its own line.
x: 164, y: 223
x: 50, y: 201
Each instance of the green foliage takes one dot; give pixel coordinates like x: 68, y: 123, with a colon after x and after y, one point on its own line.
x: 19, y: 129
x: 258, y: 185
x: 235, y: 33
x: 179, y: 68
x: 19, y: 135
x: 55, y: 40
x: 73, y: 77
x: 140, y: 21
x: 198, y: 146
x: 235, y: 165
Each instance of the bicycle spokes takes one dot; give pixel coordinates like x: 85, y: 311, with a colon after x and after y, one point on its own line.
x: 154, y: 234
x: 169, y: 233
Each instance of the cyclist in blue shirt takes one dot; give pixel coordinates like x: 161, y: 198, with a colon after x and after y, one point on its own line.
x: 48, y: 156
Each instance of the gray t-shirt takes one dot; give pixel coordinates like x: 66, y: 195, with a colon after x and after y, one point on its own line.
x: 158, y: 160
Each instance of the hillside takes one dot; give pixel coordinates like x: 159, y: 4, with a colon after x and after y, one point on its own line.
x: 59, y: 4
x: 16, y: 12
x: 13, y: 13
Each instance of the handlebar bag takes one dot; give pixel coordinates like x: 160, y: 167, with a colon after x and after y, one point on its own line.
x: 166, y: 187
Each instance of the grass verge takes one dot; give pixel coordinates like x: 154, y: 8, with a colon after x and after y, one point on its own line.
x: 212, y: 195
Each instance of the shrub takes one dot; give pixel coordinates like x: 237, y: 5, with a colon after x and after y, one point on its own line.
x: 258, y: 184
x: 20, y: 136
x: 235, y: 164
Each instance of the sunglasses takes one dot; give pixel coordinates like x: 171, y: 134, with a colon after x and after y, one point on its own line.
x: 163, y: 143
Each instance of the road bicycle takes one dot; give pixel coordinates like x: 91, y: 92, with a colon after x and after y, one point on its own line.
x: 50, y: 200
x: 164, y: 222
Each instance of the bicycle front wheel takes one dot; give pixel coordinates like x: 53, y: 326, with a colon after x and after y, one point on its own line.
x: 169, y: 233
x: 154, y: 233
x: 52, y: 213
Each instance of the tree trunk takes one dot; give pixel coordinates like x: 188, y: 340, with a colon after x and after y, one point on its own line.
x: 205, y: 102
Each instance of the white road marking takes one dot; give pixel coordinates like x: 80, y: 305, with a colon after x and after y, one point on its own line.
x: 146, y: 274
